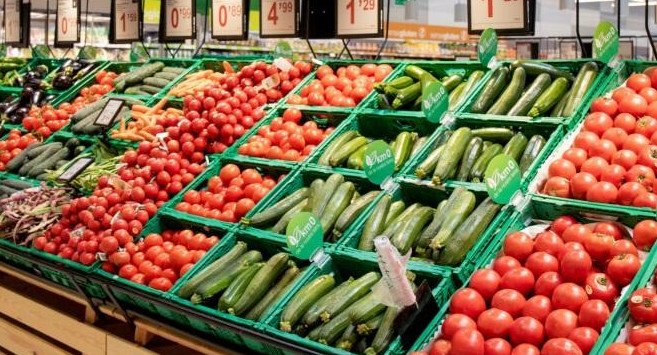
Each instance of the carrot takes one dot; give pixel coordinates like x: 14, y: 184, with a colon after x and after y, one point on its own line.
x: 174, y: 111
x: 139, y: 108
x: 127, y: 136
x: 158, y: 106
x: 122, y: 125
x: 147, y: 136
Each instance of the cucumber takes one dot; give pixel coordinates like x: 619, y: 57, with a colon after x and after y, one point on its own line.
x: 398, y: 83
x: 510, y: 95
x: 399, y: 222
x: 49, y: 162
x: 355, y: 291
x: 452, y: 154
x: 479, y: 167
x: 25, y: 168
x: 303, y: 300
x: 537, y: 68
x: 274, y: 212
x: 156, y: 82
x: 429, y: 164
x: 472, y: 152
x: 533, y: 149
x: 406, y: 236
x: 348, y: 339
x: 335, y: 145
x: 385, y: 333
x: 462, y: 207
x: 21, y: 158
x: 336, y: 205
x: 237, y: 287
x: 407, y: 95
x: 355, y: 160
x: 496, y: 134
x: 375, y: 223
x: 260, y: 283
x: 452, y: 81
x: 41, y: 147
x: 550, y: 97
x: 218, y: 281
x: 137, y: 76
x: 369, y: 327
x: 416, y: 72
x: 215, y: 267
x: 282, y: 223
x: 342, y: 153
x: 286, y: 281
x: 455, y: 96
x: 16, y: 184
x: 166, y: 75
x: 465, y: 236
x: 313, y: 194
x: 313, y: 314
x: 174, y: 70
x: 515, y: 146
x: 473, y: 79
x: 89, y: 109
x: 396, y: 208
x: 558, y: 108
x: 153, y: 90
x: 321, y: 199
x: 585, y: 78
x: 527, y: 100
x: 403, y: 146
x: 494, y: 86
x: 352, y: 212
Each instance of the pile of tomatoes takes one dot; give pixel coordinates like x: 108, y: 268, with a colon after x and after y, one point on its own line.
x: 229, y: 196
x: 614, y: 157
x: 345, y: 87
x: 158, y: 260
x: 642, y: 334
x: 285, y: 138
x: 547, y: 295
x: 46, y: 120
x: 14, y: 144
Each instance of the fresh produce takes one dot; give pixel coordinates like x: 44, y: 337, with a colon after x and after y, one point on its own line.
x: 106, y: 162
x: 148, y: 80
x: 348, y: 149
x: 548, y: 285
x: 642, y: 323
x: 528, y: 88
x: 16, y: 107
x: 405, y: 92
x: 9, y: 67
x: 70, y: 72
x: 285, y: 138
x: 9, y: 187
x: 345, y: 87
x: 230, y: 195
x: 35, y: 160
x: 336, y: 202
x: 84, y: 120
x: 11, y: 147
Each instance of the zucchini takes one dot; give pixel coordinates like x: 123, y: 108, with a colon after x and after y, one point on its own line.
x: 336, y: 205
x: 398, y: 83
x: 237, y: 287
x: 282, y: 223
x: 550, y: 97
x: 403, y: 145
x: 434, y: 227
x: 313, y: 314
x: 367, y: 328
x: 386, y: 331
x: 558, y: 108
x: 495, y: 134
x: 456, y: 95
x: 510, y: 95
x: 314, y: 334
x: 479, y: 167
x: 365, y: 309
x: 313, y: 193
x: 535, y: 68
x: 585, y: 78
x: 399, y: 222
x: 153, y: 90
x: 303, y: 300
x: 355, y: 291
x: 321, y: 199
x: 416, y: 72
x: 342, y: 153
x: 218, y: 281
x: 21, y: 158
x: 451, y: 82
x: 429, y: 164
x: 405, y: 238
x: 49, y: 162
x: 355, y: 160
x: 418, y: 145
x: 491, y: 90
x: 515, y: 146
x: 25, y: 168
x: 383, y: 102
x: 465, y: 236
x: 348, y: 339
x: 463, y: 205
x: 452, y: 154
x: 352, y: 212
x: 260, y: 283
x: 533, y: 149
x: 286, y: 281
x: 375, y: 223
x: 472, y: 152
x: 156, y: 82
x: 341, y: 140
x: 407, y: 95
x: 215, y: 267
x: 396, y: 208
x: 473, y: 79
x: 166, y: 75
x: 527, y: 100
x: 274, y: 212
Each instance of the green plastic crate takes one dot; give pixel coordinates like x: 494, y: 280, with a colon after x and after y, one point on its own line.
x: 342, y: 266
x: 189, y: 64
x: 569, y: 65
x: 410, y: 193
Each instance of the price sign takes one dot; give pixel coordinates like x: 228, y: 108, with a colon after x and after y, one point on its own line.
x: 279, y: 18
x: 359, y: 18
x: 67, y: 27
x: 505, y: 16
x: 75, y: 169
x: 12, y: 21
x: 126, y: 21
x: 108, y: 115
x: 230, y: 19
x: 179, y: 20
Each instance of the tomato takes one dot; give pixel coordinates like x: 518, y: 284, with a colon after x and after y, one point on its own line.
x: 581, y: 183
x: 646, y: 199
x: 560, y: 224
x: 497, y: 346
x: 559, y: 323
x: 494, y: 323
x: 642, y: 333
x: 576, y: 233
x: 510, y: 301
x: 520, y: 279
x: 635, y: 142
x: 547, y: 282
x: 638, y: 81
x: 599, y: 286
x: 467, y: 342
x: 603, y: 148
x: 527, y: 330
x: 598, y: 123
x: 577, y: 156
x: 645, y: 234
x: 228, y: 173
x: 623, y: 246
x: 563, y: 168
x: 486, y: 282
x: 602, y: 191
x: 643, y: 305
x: 560, y: 346
x: 542, y: 262
x: 518, y: 245
x: 549, y: 241
x: 585, y: 139
x: 626, y: 122
x: 557, y: 186
x: 537, y: 307
x: 595, y: 166
x: 525, y: 349
x: 619, y: 349
x: 467, y: 301
x: 569, y: 296
x: 615, y: 174
x: 598, y: 245
x: 645, y: 349
x: 584, y: 337
x: 629, y: 191
x: 622, y: 268
x: 505, y: 263
x: 455, y: 322
x: 440, y: 347
x: 160, y: 283
x: 646, y: 126
x: 607, y: 106
x: 633, y: 104
x: 641, y: 174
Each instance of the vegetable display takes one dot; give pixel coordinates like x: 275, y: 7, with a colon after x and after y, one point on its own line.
x: 70, y: 72
x: 14, y: 145
x: 640, y: 337
x: 147, y: 80
x: 9, y: 187
x: 35, y: 160
x: 106, y: 162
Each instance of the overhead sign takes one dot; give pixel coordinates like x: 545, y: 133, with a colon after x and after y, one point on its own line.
x: 506, y: 16
x: 179, y: 20
x: 230, y: 19
x: 279, y: 18
x: 67, y: 27
x: 359, y: 18
x: 12, y: 21
x: 126, y: 24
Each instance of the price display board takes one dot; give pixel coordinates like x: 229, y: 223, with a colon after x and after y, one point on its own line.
x: 126, y: 24
x: 506, y: 17
x: 12, y: 21
x: 67, y: 27
x: 230, y: 19
x: 359, y: 18
x: 279, y: 18
x: 179, y: 20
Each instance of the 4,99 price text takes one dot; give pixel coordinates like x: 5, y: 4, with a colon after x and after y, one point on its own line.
x: 283, y: 7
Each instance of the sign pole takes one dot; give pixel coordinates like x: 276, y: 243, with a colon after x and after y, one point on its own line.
x: 346, y: 47
x: 652, y: 44
x: 205, y: 27
x: 385, y: 40
x: 579, y: 37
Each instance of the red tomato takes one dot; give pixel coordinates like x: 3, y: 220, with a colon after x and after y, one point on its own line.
x: 497, y: 346
x: 645, y: 234
x: 621, y: 93
x: 629, y: 191
x: 615, y: 174
x: 607, y: 106
x: 581, y: 183
x: 520, y: 279
x: 518, y: 245
x: 525, y: 349
x: 467, y: 342
x: 455, y: 322
x: 638, y: 81
x: 595, y: 166
x: 541, y: 262
x: 615, y: 135
x: 598, y: 245
x: 641, y: 174
x: 622, y: 268
x: 563, y: 168
x: 557, y: 186
x: 505, y: 263
x: 635, y: 142
x: 626, y: 122
x: 619, y: 349
x: 537, y: 307
x: 560, y: 224
x: 549, y: 241
x: 576, y: 233
x: 560, y: 346
x: 625, y: 158
x: 228, y: 173
x: 486, y: 282
x: 646, y: 126
x: 623, y: 246
x: 546, y: 283
x: 642, y: 333
x: 599, y: 286
x: 577, y: 156
x: 602, y: 191
x: 646, y: 199
x: 585, y: 338
x: 467, y: 301
x: 643, y: 305
x: 575, y: 266
x: 569, y: 296
x: 510, y: 301
x: 494, y: 323
x: 440, y: 347
x: 598, y: 123
x: 645, y: 349
x: 527, y: 330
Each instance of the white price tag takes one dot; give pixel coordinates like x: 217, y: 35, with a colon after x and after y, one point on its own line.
x: 126, y: 20
x: 279, y: 18
x: 109, y: 113
x: 496, y: 14
x: 179, y: 19
x: 13, y: 21
x: 68, y: 21
x: 358, y: 18
x: 228, y: 19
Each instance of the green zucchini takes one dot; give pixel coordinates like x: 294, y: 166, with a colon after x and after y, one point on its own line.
x: 156, y: 82
x: 456, y: 95
x: 418, y: 145
x: 385, y: 333
x: 215, y: 267
x: 452, y: 81
x: 396, y: 208
x: 558, y: 108
x: 284, y: 284
x: 313, y: 315
x: 533, y: 149
x: 218, y: 281
x: 535, y: 68
x: 282, y: 223
x: 510, y: 95
x: 352, y: 212
x: 494, y: 86
x: 260, y: 283
x: 355, y: 160
x: 375, y: 223
x: 434, y: 227
x: 429, y: 164
x: 473, y: 79
x: 472, y: 152
x: 348, y: 339
x: 479, y: 167
x: 407, y: 95
x: 20, y: 159
x: 463, y: 205
x: 399, y: 222
x: 314, y: 334
x: 237, y: 287
x: 342, y: 153
x: 335, y: 145
x: 367, y: 328
x: 496, y: 134
x: 363, y: 309
x: 585, y: 78
x: 315, y: 187
x: 322, y: 197
x: 452, y: 154
x: 303, y: 300
x: 275, y: 212
x: 406, y: 237
x: 527, y: 100
x: 550, y: 97
x: 336, y: 205
x: 382, y: 101
x: 398, y: 83
x: 515, y: 146
x: 416, y: 72
x: 355, y: 291
x: 403, y: 146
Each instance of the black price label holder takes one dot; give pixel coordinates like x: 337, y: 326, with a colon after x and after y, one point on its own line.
x: 75, y: 169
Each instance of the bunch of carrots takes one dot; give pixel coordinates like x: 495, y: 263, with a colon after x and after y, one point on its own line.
x: 199, y: 80
x: 147, y: 122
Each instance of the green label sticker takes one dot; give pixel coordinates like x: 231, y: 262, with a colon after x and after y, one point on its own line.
x: 487, y: 48
x: 138, y: 53
x: 283, y: 50
x: 502, y: 178
x: 40, y: 51
x: 304, y: 235
x: 605, y: 42
x: 435, y: 101
x: 378, y: 162
x: 88, y: 52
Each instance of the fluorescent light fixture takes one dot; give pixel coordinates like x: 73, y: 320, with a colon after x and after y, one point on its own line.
x: 592, y: 1
x: 641, y: 3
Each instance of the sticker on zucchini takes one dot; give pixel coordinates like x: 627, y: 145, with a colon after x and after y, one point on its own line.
x: 487, y: 47
x: 435, y: 101
x: 378, y: 162
x: 304, y: 235
x: 605, y: 42
x: 502, y: 178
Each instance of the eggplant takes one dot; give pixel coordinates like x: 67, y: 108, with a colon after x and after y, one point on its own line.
x: 37, y: 96
x: 26, y: 95
x: 19, y: 83
x: 62, y: 82
x: 11, y: 109
x: 46, y: 99
x: 21, y: 113
x: 82, y: 72
x: 42, y: 70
